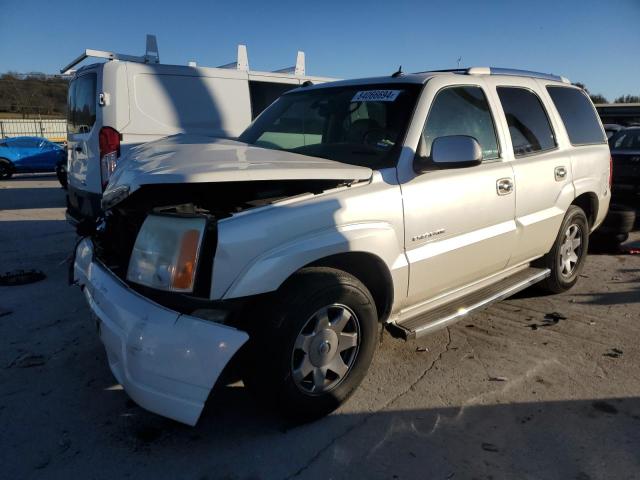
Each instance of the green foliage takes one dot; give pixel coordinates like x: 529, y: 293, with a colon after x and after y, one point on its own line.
x: 33, y: 95
x: 627, y: 99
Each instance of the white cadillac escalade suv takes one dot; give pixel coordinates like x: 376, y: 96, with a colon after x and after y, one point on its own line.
x: 405, y: 201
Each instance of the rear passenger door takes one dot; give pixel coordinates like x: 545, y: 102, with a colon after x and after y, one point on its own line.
x: 459, y: 225
x: 542, y: 169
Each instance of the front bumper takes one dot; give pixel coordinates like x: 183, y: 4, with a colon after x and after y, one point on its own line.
x: 166, y: 361
x: 82, y: 205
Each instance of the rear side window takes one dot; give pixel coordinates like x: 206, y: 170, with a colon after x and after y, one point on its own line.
x: 528, y: 122
x: 462, y: 111
x: 82, y: 104
x: 578, y: 115
x: 264, y: 94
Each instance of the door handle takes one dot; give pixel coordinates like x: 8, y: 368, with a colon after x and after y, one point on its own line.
x: 560, y: 173
x: 504, y: 186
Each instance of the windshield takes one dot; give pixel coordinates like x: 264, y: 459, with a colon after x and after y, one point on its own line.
x: 360, y: 125
x: 626, y: 140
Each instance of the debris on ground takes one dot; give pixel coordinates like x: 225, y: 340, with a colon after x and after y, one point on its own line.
x: 21, y: 277
x: 422, y: 349
x: 613, y: 353
x: 605, y: 407
x: 498, y: 379
x: 550, y: 319
x: 27, y: 360
x: 489, y: 447
x: 4, y: 313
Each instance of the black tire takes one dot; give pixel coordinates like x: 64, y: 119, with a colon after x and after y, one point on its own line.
x: 6, y: 169
x: 275, y: 359
x: 604, y: 242
x: 61, y: 173
x: 562, y: 278
x: 620, y: 219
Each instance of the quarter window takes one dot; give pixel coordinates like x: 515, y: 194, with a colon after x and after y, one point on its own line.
x: 462, y: 111
x: 578, y: 115
x: 82, y: 104
x: 528, y: 122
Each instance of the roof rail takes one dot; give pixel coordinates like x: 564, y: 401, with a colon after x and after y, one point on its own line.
x: 515, y: 72
x: 151, y: 55
x: 501, y: 71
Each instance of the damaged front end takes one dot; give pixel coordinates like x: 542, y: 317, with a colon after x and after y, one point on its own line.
x: 167, y: 341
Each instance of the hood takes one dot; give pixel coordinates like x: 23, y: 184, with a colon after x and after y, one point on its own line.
x: 198, y: 159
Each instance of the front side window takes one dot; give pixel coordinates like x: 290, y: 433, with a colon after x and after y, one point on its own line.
x: 360, y: 125
x: 462, y: 111
x: 528, y: 122
x: 578, y: 115
x: 82, y: 103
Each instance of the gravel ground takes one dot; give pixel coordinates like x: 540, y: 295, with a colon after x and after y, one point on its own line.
x: 506, y: 393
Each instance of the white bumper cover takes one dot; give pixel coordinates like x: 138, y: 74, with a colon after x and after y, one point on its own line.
x: 166, y: 361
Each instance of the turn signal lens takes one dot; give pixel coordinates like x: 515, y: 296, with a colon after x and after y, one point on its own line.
x: 185, y: 268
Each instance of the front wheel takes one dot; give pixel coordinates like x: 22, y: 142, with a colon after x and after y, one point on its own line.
x: 567, y: 256
x: 6, y: 169
x: 316, y: 346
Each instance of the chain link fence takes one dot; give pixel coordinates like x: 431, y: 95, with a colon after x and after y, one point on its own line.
x: 54, y: 130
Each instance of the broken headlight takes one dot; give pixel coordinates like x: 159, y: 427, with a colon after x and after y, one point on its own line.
x: 166, y: 252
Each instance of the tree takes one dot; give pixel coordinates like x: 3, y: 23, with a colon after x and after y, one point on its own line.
x: 627, y: 99
x: 597, y: 98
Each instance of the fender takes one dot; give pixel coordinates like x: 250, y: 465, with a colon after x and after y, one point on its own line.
x: 269, y: 270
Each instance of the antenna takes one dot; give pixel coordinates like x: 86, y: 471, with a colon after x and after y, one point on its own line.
x: 459, y: 60
x: 397, y: 73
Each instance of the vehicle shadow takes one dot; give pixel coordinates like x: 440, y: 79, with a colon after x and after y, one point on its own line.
x: 552, y: 439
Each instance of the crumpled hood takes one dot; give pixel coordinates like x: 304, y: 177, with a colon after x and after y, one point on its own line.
x: 198, y: 159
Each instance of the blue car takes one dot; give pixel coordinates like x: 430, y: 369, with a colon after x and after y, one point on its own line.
x: 29, y: 154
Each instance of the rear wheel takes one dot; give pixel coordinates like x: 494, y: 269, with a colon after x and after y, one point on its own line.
x: 567, y: 256
x: 6, y: 169
x: 316, y: 348
x: 61, y: 173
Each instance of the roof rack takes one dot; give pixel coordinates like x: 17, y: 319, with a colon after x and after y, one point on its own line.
x: 503, y: 71
x: 151, y: 55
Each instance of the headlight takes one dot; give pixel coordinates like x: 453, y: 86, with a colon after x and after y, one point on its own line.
x: 166, y: 252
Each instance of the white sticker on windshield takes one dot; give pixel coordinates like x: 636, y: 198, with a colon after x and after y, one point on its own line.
x: 376, y: 96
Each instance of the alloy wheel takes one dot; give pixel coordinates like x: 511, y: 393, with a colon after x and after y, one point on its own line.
x: 325, y: 349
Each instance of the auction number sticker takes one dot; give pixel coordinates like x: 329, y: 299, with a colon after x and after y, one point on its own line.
x: 376, y: 96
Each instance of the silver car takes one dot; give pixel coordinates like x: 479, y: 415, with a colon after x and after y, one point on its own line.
x: 403, y: 202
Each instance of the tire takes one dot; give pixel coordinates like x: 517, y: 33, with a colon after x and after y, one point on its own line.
x: 61, y: 173
x: 299, y: 340
x: 604, y: 242
x: 564, y: 270
x: 620, y: 219
x: 6, y: 169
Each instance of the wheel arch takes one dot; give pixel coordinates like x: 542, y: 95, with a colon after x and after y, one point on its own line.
x: 588, y: 202
x: 370, y: 270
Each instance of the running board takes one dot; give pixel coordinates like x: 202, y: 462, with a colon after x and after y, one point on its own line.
x: 445, y: 315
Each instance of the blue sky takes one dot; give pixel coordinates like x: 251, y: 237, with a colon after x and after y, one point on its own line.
x: 593, y: 42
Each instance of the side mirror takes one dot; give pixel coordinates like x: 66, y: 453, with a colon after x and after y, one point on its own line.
x: 454, y: 151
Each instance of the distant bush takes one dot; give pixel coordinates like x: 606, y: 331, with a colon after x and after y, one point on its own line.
x: 26, y: 95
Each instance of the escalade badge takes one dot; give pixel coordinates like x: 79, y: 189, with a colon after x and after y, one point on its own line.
x: 422, y: 236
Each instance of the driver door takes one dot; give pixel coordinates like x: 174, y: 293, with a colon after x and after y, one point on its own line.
x: 459, y: 222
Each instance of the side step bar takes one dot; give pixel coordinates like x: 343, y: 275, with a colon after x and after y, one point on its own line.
x: 445, y: 315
